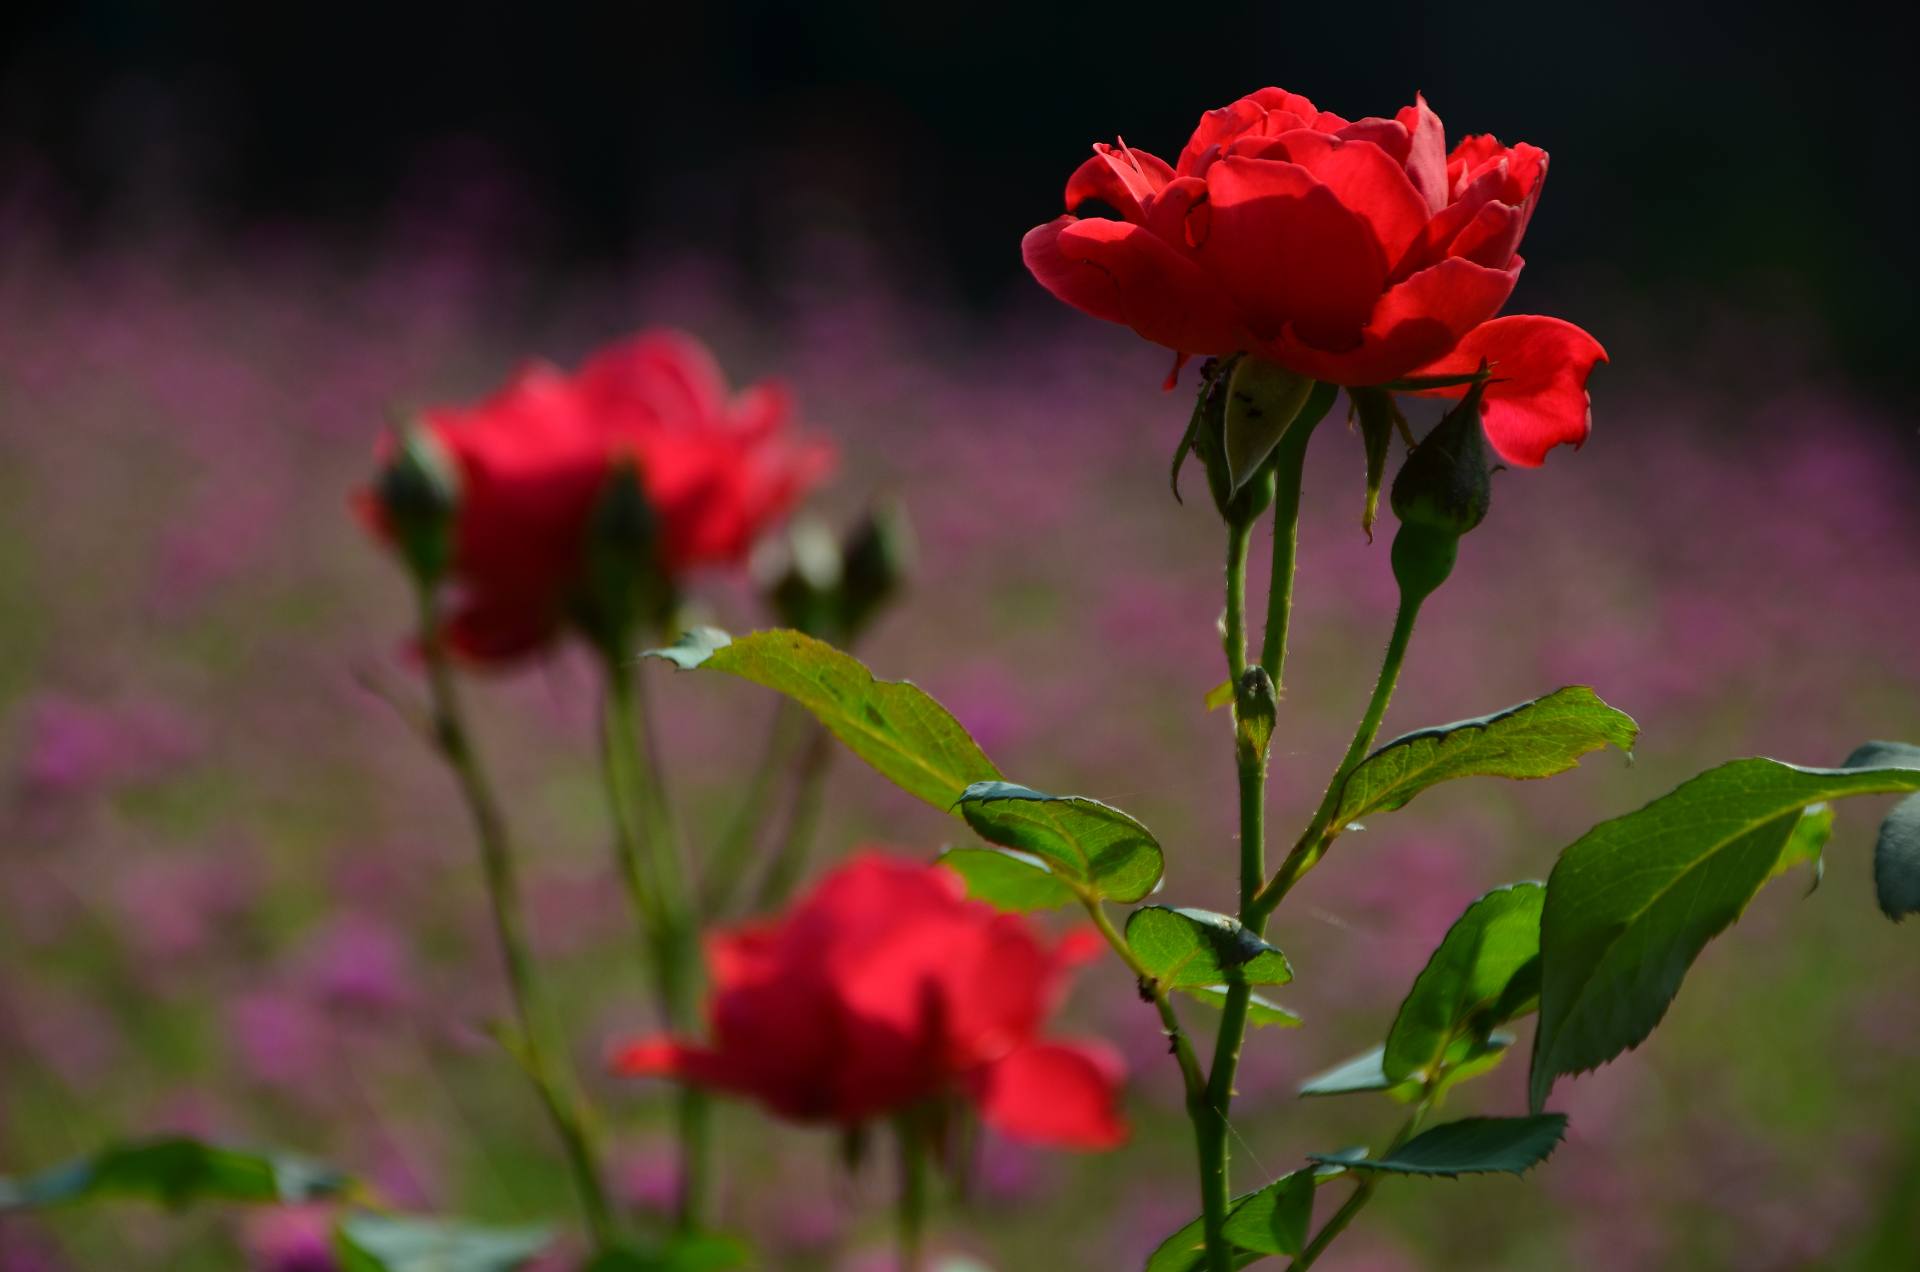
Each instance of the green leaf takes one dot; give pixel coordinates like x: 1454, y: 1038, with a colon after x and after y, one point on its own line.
x: 1471, y: 1146
x: 1485, y: 972
x: 1260, y: 1011
x: 1632, y: 902
x: 1091, y: 845
x: 1378, y: 419
x: 1365, y: 1072
x: 912, y: 740
x: 176, y: 1171
x: 399, y: 1243
x: 1198, y: 949
x: 1896, y: 860
x: 1534, y: 739
x: 1807, y: 842
x: 1271, y: 1220
x: 1008, y: 880
x: 1263, y: 401
x: 1274, y: 1220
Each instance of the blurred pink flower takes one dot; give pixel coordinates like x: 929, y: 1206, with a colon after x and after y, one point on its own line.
x: 290, y: 1239
x: 72, y: 747
x: 358, y: 963
x: 280, y: 1040
x: 173, y: 907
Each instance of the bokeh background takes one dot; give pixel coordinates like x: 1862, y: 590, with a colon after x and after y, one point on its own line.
x: 237, y: 899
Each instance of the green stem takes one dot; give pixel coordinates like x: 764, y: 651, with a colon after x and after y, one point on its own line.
x: 913, y: 1193
x: 1239, y: 535
x: 1357, y: 1201
x: 803, y: 819
x: 647, y: 846
x: 727, y: 865
x: 1290, y: 461
x: 1321, y: 832
x: 1211, y: 1115
x: 1196, y: 1082
x: 562, y: 1107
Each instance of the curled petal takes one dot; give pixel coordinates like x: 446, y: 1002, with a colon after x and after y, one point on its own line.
x: 1291, y: 253
x: 1266, y: 113
x: 1127, y: 274
x: 1389, y: 134
x: 1460, y: 230
x: 1126, y: 179
x: 1426, y: 158
x: 1522, y: 167
x: 1179, y: 213
x: 1537, y: 398
x: 1491, y: 237
x: 1416, y: 322
x: 1067, y: 1094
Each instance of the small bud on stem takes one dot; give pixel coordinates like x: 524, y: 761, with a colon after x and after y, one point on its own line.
x: 418, y: 493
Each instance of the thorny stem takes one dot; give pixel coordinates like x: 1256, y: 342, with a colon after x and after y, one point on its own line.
x: 1239, y: 535
x: 1210, y: 1115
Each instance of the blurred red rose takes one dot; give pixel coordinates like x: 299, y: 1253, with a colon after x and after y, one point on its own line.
x: 718, y: 469
x: 884, y: 987
x: 1356, y: 253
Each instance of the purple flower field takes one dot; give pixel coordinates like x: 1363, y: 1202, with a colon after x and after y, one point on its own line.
x: 237, y: 897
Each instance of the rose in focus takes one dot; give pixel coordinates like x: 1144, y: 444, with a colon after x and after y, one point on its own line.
x: 531, y: 463
x: 1361, y: 253
x: 884, y: 987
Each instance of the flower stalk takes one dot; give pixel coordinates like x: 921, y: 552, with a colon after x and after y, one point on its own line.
x: 555, y: 1089
x: 647, y: 848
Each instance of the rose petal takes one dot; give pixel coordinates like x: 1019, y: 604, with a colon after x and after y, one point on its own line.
x: 1368, y: 181
x: 1426, y: 152
x: 1127, y: 274
x: 1537, y: 398
x: 1417, y: 321
x: 1491, y: 237
x: 1055, y: 1093
x: 1124, y: 179
x: 1263, y: 114
x: 1291, y: 253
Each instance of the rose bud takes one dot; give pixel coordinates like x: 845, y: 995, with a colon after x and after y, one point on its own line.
x: 625, y: 587
x: 1441, y: 493
x: 1444, y: 483
x: 415, y: 498
x: 806, y: 594
x: 879, y: 556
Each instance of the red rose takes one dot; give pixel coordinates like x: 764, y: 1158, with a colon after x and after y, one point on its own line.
x: 882, y: 987
x: 533, y: 459
x: 1356, y: 253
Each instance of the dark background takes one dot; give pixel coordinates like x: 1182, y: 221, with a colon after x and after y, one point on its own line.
x: 1726, y: 155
